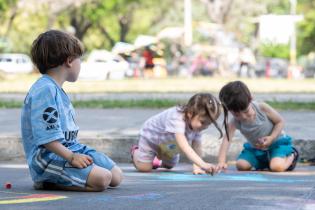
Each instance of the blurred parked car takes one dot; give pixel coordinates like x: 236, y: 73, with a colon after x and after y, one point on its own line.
x: 309, y: 70
x: 102, y: 64
x: 15, y: 63
x: 271, y: 67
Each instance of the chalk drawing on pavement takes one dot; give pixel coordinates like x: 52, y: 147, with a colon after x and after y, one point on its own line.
x: 133, y: 197
x: 30, y: 198
x: 252, y: 177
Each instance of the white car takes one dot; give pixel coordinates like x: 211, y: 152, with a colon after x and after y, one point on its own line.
x: 15, y: 63
x: 102, y: 64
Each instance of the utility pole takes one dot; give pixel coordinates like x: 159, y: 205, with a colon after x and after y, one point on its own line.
x: 187, y: 23
x: 293, y: 35
x: 292, y: 70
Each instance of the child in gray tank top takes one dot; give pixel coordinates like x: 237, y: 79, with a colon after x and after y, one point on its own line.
x: 267, y: 146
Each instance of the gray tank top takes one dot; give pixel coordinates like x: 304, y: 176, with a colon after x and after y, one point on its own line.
x: 260, y: 127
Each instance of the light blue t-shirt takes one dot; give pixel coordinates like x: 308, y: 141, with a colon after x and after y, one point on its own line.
x: 47, y: 115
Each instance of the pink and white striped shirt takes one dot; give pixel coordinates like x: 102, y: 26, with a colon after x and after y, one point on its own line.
x: 161, y: 128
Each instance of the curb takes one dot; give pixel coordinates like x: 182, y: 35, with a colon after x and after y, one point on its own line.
x: 117, y: 146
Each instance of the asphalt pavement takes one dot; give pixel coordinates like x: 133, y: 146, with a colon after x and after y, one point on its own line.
x: 171, y: 189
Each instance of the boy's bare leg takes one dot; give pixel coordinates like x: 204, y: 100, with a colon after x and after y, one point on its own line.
x: 117, y: 176
x: 98, y: 180
x: 278, y: 164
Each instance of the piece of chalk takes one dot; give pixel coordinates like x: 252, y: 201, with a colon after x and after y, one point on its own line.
x: 8, y: 185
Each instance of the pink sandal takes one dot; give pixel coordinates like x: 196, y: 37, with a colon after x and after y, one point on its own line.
x: 156, y: 163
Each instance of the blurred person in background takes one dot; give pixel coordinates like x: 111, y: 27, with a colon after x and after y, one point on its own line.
x: 246, y: 62
x: 148, y: 56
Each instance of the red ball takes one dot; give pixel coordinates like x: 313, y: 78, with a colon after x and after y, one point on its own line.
x: 8, y: 185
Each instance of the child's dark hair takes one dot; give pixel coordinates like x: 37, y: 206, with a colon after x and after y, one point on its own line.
x: 52, y: 48
x: 234, y: 96
x: 203, y: 104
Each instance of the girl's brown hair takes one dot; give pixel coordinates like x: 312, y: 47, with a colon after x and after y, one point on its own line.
x: 52, y: 48
x: 204, y: 105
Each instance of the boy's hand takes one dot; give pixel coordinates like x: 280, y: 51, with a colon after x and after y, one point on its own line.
x: 264, y: 142
x: 209, y: 168
x: 220, y: 167
x: 81, y: 160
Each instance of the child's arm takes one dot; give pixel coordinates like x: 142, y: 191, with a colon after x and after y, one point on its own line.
x: 191, y: 154
x: 278, y: 122
x: 75, y: 159
x: 196, y: 145
x: 225, y: 147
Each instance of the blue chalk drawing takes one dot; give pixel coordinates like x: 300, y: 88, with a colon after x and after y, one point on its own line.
x: 137, y: 197
x: 251, y: 177
x: 145, y: 196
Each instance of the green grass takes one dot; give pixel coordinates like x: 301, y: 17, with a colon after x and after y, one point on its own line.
x: 291, y: 105
x: 10, y: 104
x: 159, y: 103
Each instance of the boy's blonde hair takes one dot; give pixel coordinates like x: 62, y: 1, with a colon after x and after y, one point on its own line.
x: 52, y: 48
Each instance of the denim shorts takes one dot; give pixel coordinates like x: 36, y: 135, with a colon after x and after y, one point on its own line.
x: 260, y: 159
x: 49, y: 167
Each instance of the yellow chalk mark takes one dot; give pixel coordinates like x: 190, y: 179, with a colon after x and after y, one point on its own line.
x: 30, y: 200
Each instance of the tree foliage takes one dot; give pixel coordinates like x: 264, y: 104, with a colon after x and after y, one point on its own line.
x: 6, y: 4
x: 306, y: 29
x: 275, y: 50
x: 102, y: 23
x: 113, y: 20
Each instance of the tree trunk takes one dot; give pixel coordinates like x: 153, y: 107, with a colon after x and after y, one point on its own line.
x: 80, y: 24
x: 124, y: 23
x: 11, y: 19
x: 107, y: 35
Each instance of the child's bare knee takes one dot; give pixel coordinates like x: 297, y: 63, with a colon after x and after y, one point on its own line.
x: 117, y: 177
x: 143, y: 167
x: 243, y: 165
x: 102, y: 182
x: 99, y: 179
x: 277, y: 167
